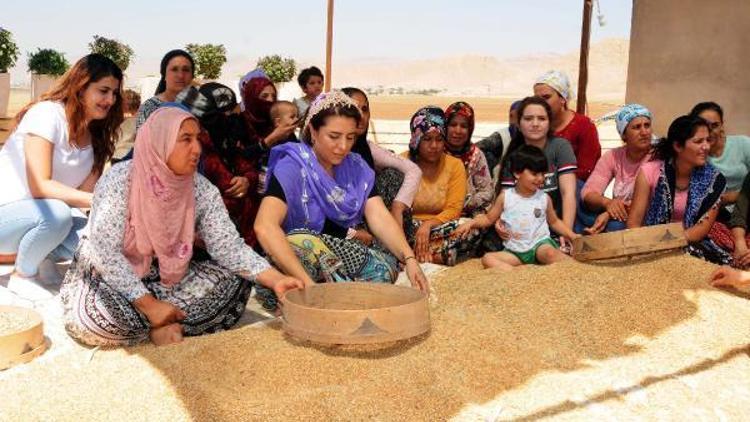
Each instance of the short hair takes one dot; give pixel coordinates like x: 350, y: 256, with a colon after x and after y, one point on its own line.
x: 707, y: 105
x: 528, y: 157
x: 278, y: 107
x: 131, y: 101
x: 305, y: 75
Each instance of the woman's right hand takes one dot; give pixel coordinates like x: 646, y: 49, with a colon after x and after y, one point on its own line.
x: 730, y: 277
x: 422, y: 242
x: 158, y: 312
x: 463, y: 230
x: 617, y: 209
x: 599, y: 224
x: 279, y: 133
x: 416, y: 276
x: 741, y: 255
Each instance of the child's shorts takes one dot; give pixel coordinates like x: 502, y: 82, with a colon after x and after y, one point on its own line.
x: 529, y: 257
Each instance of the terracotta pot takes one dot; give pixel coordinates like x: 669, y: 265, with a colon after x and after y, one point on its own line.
x: 4, y: 93
x: 40, y: 84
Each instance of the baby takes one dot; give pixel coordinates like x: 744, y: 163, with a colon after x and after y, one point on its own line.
x: 283, y: 113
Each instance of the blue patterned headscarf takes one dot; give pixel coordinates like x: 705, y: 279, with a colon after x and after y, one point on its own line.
x: 425, y: 120
x: 627, y: 113
x: 558, y: 81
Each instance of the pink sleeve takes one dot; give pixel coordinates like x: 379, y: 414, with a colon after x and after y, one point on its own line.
x: 412, y: 174
x: 601, y: 176
x: 651, y: 172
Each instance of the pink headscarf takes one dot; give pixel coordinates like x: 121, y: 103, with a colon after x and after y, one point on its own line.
x: 161, y: 204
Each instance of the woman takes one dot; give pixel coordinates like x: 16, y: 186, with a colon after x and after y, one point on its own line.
x: 442, y: 191
x: 480, y: 191
x: 258, y: 95
x: 679, y: 185
x: 534, y: 118
x: 729, y: 154
x: 223, y: 163
x: 397, y: 178
x: 597, y: 213
x: 733, y: 236
x: 177, y: 71
x: 496, y: 145
x: 134, y: 276
x: 317, y: 193
x: 50, y: 164
x: 579, y: 130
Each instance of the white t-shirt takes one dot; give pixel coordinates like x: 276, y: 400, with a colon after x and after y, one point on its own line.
x: 525, y: 218
x: 70, y: 165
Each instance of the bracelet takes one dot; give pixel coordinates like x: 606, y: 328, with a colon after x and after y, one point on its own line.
x: 406, y: 258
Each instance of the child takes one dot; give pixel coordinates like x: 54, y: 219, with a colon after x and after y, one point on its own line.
x: 131, y: 101
x: 522, y: 216
x: 311, y: 82
x: 283, y: 113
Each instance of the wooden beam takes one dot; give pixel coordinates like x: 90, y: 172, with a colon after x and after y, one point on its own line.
x: 583, y: 64
x: 329, y: 47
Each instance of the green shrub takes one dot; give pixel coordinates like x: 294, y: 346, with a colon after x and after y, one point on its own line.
x: 118, y: 52
x: 8, y: 50
x: 47, y: 61
x: 277, y: 68
x: 209, y: 58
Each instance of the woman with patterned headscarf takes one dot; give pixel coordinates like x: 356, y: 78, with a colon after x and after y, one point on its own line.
x: 134, y: 276
x: 597, y: 213
x: 224, y: 162
x: 440, y: 199
x: 578, y: 129
x: 459, y: 120
x: 318, y: 193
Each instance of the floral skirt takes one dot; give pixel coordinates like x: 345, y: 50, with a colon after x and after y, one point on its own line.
x: 94, y: 313
x: 445, y: 245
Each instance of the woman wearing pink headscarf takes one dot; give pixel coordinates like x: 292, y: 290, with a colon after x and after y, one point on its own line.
x: 134, y: 276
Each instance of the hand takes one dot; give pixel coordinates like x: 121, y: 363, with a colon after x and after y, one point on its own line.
x: 416, y: 276
x: 464, y: 229
x: 238, y: 188
x: 364, y: 236
x: 422, y: 243
x: 158, y: 312
x: 565, y: 245
x: 501, y: 230
x: 599, y: 224
x: 617, y: 209
x: 730, y: 277
x: 279, y: 134
x: 741, y: 256
x: 284, y: 284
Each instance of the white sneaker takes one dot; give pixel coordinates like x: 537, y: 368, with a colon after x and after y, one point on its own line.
x: 28, y: 288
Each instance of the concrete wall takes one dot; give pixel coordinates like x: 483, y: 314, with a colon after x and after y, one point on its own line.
x: 686, y: 51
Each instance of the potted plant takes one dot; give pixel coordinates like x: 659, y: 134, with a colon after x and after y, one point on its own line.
x: 209, y: 58
x: 8, y: 57
x: 45, y: 65
x: 117, y: 51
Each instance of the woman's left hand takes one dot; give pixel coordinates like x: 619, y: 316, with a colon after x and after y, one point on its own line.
x: 422, y: 243
x: 416, y: 276
x: 364, y: 237
x: 239, y: 187
x: 730, y: 277
x: 284, y: 284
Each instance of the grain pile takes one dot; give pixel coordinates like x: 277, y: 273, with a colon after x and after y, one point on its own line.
x: 11, y: 322
x: 568, y: 341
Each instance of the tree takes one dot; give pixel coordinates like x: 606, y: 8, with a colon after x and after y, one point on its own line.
x: 277, y: 68
x: 47, y: 61
x: 8, y: 50
x: 117, y: 51
x: 209, y: 58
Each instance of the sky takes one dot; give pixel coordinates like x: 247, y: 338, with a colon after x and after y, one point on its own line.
x: 382, y: 29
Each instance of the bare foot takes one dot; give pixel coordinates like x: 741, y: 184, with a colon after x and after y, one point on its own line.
x: 167, y: 334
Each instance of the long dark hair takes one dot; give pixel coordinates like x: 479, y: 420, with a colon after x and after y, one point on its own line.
x: 681, y: 129
x: 361, y: 146
x: 518, y: 139
x: 707, y: 105
x: 67, y: 90
x: 165, y: 62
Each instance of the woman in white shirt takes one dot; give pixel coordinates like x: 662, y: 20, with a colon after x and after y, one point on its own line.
x: 49, y: 167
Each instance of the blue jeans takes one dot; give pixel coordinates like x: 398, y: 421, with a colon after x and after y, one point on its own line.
x: 586, y: 218
x: 36, y: 228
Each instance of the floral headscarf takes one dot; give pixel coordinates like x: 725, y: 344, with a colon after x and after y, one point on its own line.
x: 558, y: 81
x: 629, y: 112
x: 425, y: 120
x: 460, y: 108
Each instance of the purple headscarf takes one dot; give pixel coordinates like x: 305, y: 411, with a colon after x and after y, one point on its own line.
x: 312, y: 195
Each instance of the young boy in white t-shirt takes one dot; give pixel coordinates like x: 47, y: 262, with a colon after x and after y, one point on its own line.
x: 311, y: 82
x: 522, y: 216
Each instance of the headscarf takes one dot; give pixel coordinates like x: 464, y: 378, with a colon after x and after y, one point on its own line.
x: 461, y: 108
x: 425, y: 120
x: 627, y: 113
x: 161, y: 205
x: 255, y: 73
x: 257, y: 112
x: 165, y: 62
x: 209, y: 104
x: 513, y: 128
x: 558, y: 81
